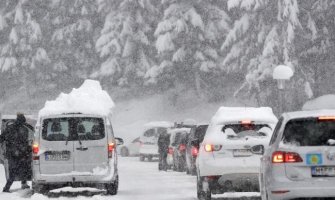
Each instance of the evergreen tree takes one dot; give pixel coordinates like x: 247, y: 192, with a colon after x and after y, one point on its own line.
x: 126, y: 41
x: 187, y: 41
x: 21, y: 51
x: 74, y: 25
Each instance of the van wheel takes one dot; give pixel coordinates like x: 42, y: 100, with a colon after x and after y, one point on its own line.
x: 112, y: 188
x: 202, y: 195
x: 40, y: 189
x: 124, y: 152
x: 149, y: 158
x: 142, y: 158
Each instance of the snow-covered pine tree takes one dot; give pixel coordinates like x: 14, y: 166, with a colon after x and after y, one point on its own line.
x: 316, y: 47
x: 262, y: 37
x: 126, y: 41
x: 74, y: 26
x: 21, y: 51
x: 188, y: 41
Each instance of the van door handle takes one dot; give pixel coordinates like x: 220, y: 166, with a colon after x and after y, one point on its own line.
x: 82, y: 148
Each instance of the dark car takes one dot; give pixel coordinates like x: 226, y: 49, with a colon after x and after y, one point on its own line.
x: 194, y: 139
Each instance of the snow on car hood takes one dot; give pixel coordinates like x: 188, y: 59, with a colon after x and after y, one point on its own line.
x: 89, y: 98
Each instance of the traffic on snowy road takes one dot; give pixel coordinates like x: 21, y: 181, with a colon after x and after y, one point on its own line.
x: 71, y: 150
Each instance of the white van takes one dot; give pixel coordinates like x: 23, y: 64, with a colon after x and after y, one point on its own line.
x: 77, y: 150
x: 149, y: 139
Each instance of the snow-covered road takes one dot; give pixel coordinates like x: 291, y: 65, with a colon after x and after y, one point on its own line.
x: 138, y: 180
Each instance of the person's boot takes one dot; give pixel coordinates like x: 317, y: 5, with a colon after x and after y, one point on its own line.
x: 6, y: 190
x: 25, y: 186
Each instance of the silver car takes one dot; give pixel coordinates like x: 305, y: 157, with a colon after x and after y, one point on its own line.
x: 75, y: 150
x: 300, y: 161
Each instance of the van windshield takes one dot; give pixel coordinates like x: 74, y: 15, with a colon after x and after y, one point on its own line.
x: 69, y: 129
x: 309, y: 132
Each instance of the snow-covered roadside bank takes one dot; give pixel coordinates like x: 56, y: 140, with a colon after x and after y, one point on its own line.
x: 138, y: 180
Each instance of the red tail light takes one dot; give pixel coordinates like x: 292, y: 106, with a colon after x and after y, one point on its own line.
x: 170, y: 151
x: 195, y: 151
x: 111, y: 147
x: 211, y: 147
x: 36, y: 148
x: 182, y: 147
x: 326, y: 118
x: 286, y: 157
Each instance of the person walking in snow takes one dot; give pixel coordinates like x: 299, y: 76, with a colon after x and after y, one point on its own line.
x: 18, y: 152
x: 163, y: 148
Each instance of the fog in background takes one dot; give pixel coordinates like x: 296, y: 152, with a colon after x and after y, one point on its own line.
x: 174, y: 54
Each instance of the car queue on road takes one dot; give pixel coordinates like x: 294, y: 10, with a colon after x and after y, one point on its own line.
x: 248, y: 149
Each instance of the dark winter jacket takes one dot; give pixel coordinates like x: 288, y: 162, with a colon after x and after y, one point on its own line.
x: 16, y: 139
x: 163, y: 143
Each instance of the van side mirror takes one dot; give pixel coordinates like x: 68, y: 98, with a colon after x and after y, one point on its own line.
x: 258, y: 149
x: 119, y: 141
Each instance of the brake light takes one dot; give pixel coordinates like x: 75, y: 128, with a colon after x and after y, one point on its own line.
x: 246, y: 122
x: 195, y: 151
x: 326, y: 118
x: 182, y: 147
x: 111, y: 147
x: 211, y: 147
x: 170, y: 151
x: 286, y: 157
x: 36, y: 148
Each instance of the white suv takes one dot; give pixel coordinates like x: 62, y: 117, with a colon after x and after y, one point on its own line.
x: 149, y: 139
x: 75, y: 150
x: 226, y: 161
x: 300, y: 161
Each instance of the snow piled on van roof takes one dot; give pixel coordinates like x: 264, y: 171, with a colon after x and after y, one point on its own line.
x: 236, y: 114
x: 89, y: 98
x: 323, y: 102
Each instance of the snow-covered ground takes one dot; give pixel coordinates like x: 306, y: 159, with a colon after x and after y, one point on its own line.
x: 138, y: 180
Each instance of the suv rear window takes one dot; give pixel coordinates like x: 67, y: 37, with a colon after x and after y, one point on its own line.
x: 309, y: 132
x: 243, y: 130
x: 69, y: 129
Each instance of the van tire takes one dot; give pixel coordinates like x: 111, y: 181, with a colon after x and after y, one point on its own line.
x: 142, y: 158
x: 40, y: 189
x: 149, y: 158
x: 112, y: 188
x: 124, y: 152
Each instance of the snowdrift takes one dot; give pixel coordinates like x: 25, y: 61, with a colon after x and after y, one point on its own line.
x: 323, y: 102
x: 89, y: 98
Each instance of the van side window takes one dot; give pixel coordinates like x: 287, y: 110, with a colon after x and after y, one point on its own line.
x: 149, y: 133
x: 276, y: 131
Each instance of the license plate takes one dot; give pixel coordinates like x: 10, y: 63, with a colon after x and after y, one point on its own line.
x: 323, y: 171
x: 57, y: 156
x: 241, y: 153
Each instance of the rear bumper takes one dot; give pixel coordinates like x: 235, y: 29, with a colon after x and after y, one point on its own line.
x: 73, y: 177
x: 210, y: 167
x: 300, y: 189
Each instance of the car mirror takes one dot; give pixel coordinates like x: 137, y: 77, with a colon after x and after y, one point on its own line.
x: 119, y: 141
x: 258, y: 150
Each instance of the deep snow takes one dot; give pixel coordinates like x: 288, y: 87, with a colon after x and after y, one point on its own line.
x: 138, y: 180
